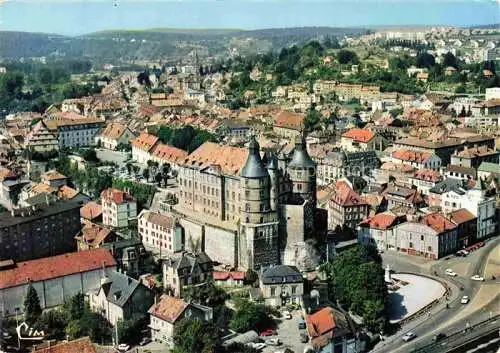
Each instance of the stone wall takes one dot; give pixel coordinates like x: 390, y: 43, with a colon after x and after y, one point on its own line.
x: 193, y: 235
x: 221, y: 245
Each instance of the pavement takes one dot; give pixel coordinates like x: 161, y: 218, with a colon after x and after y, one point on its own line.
x: 289, y: 333
x: 117, y: 157
x: 440, y: 319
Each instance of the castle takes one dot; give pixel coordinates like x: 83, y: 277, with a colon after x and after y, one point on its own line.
x: 246, y: 208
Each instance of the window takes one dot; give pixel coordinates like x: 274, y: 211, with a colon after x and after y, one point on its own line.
x: 273, y: 291
x: 411, y: 245
x: 294, y: 289
x: 421, y: 237
x: 429, y: 248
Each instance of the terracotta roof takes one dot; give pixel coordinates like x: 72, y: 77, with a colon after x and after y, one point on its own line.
x: 409, y: 194
x: 116, y: 196
x: 6, y: 173
x: 381, y: 221
x: 479, y: 151
x: 66, y: 193
x: 359, y: 135
x: 411, y: 156
x: 345, y: 196
x: 113, y: 131
x: 168, y: 153
x: 81, y: 345
x: 168, y: 308
x: 427, y: 175
x: 52, y: 175
x: 94, y: 234
x: 224, y: 276
x: 56, y: 266
x: 321, y: 322
x: 54, y: 124
x: 289, y: 120
x: 461, y: 216
x: 91, y: 210
x: 158, y: 219
x: 229, y: 159
x: 438, y: 222
x: 145, y: 141
x: 40, y: 188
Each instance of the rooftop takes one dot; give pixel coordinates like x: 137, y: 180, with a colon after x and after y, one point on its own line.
x: 116, y: 196
x: 345, y: 195
x: 359, y: 135
x: 461, y: 216
x: 158, y: 219
x: 289, y: 120
x: 281, y: 274
x: 438, y: 222
x: 145, y: 141
x: 381, y: 221
x: 91, y: 210
x: 81, y: 345
x: 168, y: 308
x: 168, y: 153
x: 113, y: 131
x: 411, y: 156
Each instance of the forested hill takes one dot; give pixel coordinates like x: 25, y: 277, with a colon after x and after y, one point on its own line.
x: 158, y: 43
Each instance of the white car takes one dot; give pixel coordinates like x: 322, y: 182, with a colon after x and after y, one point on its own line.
x: 464, y: 300
x: 477, y: 278
x: 123, y: 347
x: 287, y: 315
x: 409, y: 336
x: 450, y: 272
x: 257, y: 345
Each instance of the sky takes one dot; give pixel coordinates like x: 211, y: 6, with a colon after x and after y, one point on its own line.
x: 76, y: 17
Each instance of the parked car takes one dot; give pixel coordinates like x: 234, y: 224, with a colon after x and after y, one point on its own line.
x: 477, y: 278
x: 274, y: 342
x: 302, y: 324
x: 304, y: 338
x: 145, y: 341
x: 450, y: 272
x: 409, y: 336
x: 465, y: 299
x: 268, y: 332
x: 439, y: 337
x: 287, y: 315
x: 257, y: 345
x: 123, y: 347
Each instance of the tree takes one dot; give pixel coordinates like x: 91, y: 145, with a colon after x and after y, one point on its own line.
x: 145, y: 174
x: 312, y: 119
x: 195, y: 336
x: 32, y: 308
x: 347, y: 57
x: 425, y: 60
x: 251, y: 276
x: 158, y: 177
x: 249, y: 316
x: 450, y: 60
x: 127, y: 329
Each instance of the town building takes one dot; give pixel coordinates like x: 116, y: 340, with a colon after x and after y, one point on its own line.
x: 492, y: 93
x: 379, y: 230
x: 356, y: 140
x: 120, y: 298
x: 228, y: 278
x: 160, y: 233
x: 339, y: 164
x: 115, y: 134
x: 416, y: 159
x: 459, y: 172
x: 55, y: 278
x: 281, y: 285
x: 491, y: 107
x: 73, y: 133
x: 91, y: 213
x: 288, y: 124
x: 165, y: 154
x: 186, y: 269
x: 466, y: 224
x: 346, y: 207
x: 81, y: 345
x: 42, y: 230
x: 424, y: 180
x: 168, y: 312
x: 118, y: 208
x: 486, y: 170
x: 142, y: 146
x: 397, y: 195
x: 473, y: 157
x: 93, y: 236
x: 53, y: 178
x: 41, y: 139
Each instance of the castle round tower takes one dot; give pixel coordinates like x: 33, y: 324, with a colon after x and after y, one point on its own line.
x: 302, y: 171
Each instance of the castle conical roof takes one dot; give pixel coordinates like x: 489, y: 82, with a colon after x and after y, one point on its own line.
x: 300, y: 157
x: 254, y: 167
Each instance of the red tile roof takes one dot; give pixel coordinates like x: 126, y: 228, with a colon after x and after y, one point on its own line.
x: 114, y: 131
x: 289, y: 120
x: 229, y: 159
x: 461, y: 216
x: 345, y: 196
x: 145, y: 141
x: 168, y: 308
x: 411, y: 156
x: 224, y: 276
x: 91, y: 210
x: 82, y: 345
x: 321, y: 323
x: 438, y: 222
x: 56, y: 266
x: 116, y: 196
x: 359, y: 135
x: 381, y: 221
x: 168, y: 154
x: 427, y: 175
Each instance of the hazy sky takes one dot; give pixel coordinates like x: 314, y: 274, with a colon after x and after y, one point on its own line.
x: 83, y: 16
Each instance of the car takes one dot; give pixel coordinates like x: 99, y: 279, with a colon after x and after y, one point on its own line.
x: 145, y: 341
x: 477, y: 278
x: 450, y: 272
x: 409, y: 336
x: 257, y: 345
x: 122, y: 347
x: 465, y: 299
x: 439, y: 337
x: 302, y: 324
x: 274, y: 342
x: 304, y: 338
x: 268, y: 332
x: 287, y: 315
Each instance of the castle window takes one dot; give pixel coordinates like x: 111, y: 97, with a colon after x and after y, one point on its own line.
x: 247, y: 207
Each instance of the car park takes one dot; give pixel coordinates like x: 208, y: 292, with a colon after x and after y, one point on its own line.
x: 409, y: 336
x: 465, y: 299
x: 477, y: 278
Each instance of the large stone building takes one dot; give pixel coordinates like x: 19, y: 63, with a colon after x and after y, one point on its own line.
x: 238, y: 205
x: 42, y: 230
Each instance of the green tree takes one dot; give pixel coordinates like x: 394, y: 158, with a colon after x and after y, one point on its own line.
x: 347, y: 57
x: 32, y: 308
x: 251, y: 276
x: 249, y: 316
x: 195, y: 336
x: 449, y: 60
x: 127, y: 329
x: 425, y: 60
x: 312, y: 119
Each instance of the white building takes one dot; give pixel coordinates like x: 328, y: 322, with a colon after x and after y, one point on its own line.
x: 142, y: 146
x: 492, y: 93
x: 118, y: 208
x: 115, y: 134
x: 76, y: 133
x: 160, y: 233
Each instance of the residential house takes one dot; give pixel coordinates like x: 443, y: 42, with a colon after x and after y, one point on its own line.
x: 160, y: 233
x: 444, y: 186
x: 186, y: 269
x: 379, y: 230
x: 118, y: 208
x: 92, y: 236
x: 356, y: 140
x: 120, y: 298
x: 115, y: 134
x: 466, y: 224
x: 281, y: 285
x: 332, y: 331
x: 53, y: 178
x: 346, y: 207
x: 90, y: 213
x: 168, y: 312
x: 128, y: 253
x: 340, y: 164
x: 55, y: 278
x: 473, y: 157
x: 433, y: 237
x: 424, y: 180
x: 402, y: 196
x: 416, y: 159
x: 288, y: 124
x: 228, y: 278
x: 487, y: 169
x: 142, y: 146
